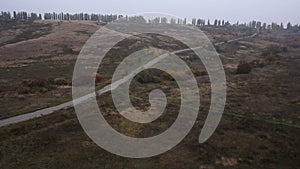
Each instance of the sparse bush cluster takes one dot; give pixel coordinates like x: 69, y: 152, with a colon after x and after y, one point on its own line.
x: 40, y: 85
x: 274, y: 50
x: 155, y: 76
x: 199, y: 73
x: 32, y: 86
x: 24, y: 90
x: 58, y: 81
x: 149, y: 76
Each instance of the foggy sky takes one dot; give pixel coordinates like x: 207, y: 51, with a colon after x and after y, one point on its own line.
x: 232, y: 10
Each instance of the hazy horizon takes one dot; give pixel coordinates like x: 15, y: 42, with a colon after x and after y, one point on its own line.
x: 232, y: 10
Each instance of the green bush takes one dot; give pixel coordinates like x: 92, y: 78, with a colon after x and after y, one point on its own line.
x: 51, y: 80
x: 60, y: 81
x: 271, y: 57
x: 167, y: 76
x: 145, y: 77
x: 24, y: 90
x: 41, y: 83
x: 244, y: 68
x: 219, y: 49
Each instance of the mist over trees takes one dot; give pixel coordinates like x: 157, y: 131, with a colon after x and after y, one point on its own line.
x: 106, y: 18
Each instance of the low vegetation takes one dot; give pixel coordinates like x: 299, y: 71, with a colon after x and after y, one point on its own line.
x: 41, y: 85
x: 243, y: 68
x: 257, y: 129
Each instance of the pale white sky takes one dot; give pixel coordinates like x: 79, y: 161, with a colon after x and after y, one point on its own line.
x: 232, y: 10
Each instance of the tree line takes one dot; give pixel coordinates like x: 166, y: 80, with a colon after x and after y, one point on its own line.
x: 23, y: 16
x: 253, y: 24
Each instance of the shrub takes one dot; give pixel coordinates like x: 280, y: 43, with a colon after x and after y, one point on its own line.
x: 60, y: 81
x: 68, y: 50
x: 274, y: 49
x: 145, y: 77
x: 167, y: 76
x: 24, y: 90
x: 199, y: 73
x: 2, y: 89
x: 98, y: 77
x: 51, y: 80
x: 271, y: 57
x: 35, y: 83
x: 21, y: 97
x: 284, y: 49
x: 41, y: 83
x: 170, y: 75
x: 43, y: 90
x: 218, y: 49
x: 243, y: 68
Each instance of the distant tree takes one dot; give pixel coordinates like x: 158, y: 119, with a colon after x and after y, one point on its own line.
x: 68, y: 17
x: 289, y: 26
x: 47, y: 16
x: 258, y: 25
x: 164, y: 20
x: 33, y: 16
x: 81, y: 17
x: 184, y: 21
x: 15, y: 15
x: 199, y: 22
x: 253, y: 24
x: 173, y: 21
x: 264, y: 27
x: 275, y: 26
x: 227, y: 23
x: 137, y: 19
x: 156, y: 20
x: 216, y: 23
x: 5, y: 16
x: 193, y: 21
x: 219, y: 23
x: 86, y: 17
x: 281, y: 26
x: 179, y: 21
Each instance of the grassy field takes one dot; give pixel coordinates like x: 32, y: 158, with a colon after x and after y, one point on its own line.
x: 57, y: 141
x: 259, y: 128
